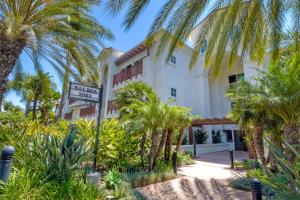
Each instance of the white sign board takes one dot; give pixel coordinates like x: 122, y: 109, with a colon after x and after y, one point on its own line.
x: 85, y: 93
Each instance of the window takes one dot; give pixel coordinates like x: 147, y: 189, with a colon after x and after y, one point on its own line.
x: 173, y: 92
x: 173, y: 59
x: 235, y: 78
x: 228, y: 135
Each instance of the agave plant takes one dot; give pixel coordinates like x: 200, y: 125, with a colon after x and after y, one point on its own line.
x: 112, y: 179
x: 58, y: 158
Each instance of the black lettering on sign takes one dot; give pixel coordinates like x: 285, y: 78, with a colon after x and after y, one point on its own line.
x: 86, y: 95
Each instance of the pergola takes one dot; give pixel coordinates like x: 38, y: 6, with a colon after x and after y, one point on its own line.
x: 208, y: 121
x: 212, y: 121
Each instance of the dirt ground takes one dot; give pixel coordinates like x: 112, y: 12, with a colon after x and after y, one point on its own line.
x: 207, y: 179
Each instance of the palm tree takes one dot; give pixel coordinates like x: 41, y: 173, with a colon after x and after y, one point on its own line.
x: 128, y: 95
x: 249, y: 26
x: 150, y: 115
x: 281, y: 83
x: 46, y: 30
x: 184, y: 120
x: 21, y: 85
x: 249, y: 112
x: 170, y: 125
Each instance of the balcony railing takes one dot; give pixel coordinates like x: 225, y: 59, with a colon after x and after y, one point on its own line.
x: 128, y: 73
x: 68, y: 116
x: 112, y: 106
x: 89, y: 111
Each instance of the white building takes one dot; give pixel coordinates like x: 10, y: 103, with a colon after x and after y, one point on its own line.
x: 195, y: 88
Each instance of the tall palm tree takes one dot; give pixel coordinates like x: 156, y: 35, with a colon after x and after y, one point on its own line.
x: 249, y: 112
x: 281, y: 83
x: 46, y: 30
x: 245, y: 27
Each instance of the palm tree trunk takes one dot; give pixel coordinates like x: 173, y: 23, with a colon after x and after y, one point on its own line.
x: 27, y: 108
x: 35, y: 100
x: 63, y: 91
x: 258, y: 143
x: 161, y: 146
x: 61, y: 103
x: 142, y: 147
x: 9, y: 54
x: 180, y: 139
x: 291, y: 133
x: 170, y: 139
x: 153, y: 148
x: 275, y: 139
x: 251, y: 150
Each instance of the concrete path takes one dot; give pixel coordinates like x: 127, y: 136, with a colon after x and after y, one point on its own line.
x: 208, y: 179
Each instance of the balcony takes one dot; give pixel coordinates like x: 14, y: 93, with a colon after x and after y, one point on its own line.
x: 88, y: 112
x: 112, y: 106
x: 128, y: 73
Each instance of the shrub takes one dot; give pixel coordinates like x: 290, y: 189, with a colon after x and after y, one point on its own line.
x: 112, y: 179
x: 247, y: 164
x: 117, y: 149
x: 184, y: 158
x: 57, y: 129
x: 143, y: 178
x: 216, y: 137
x: 184, y: 140
x: 29, y: 185
x: 200, y: 136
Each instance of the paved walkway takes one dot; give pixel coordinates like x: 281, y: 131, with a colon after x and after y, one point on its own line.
x: 208, y: 179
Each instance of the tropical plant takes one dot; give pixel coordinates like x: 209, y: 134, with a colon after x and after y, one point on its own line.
x: 112, y: 179
x: 231, y: 26
x: 23, y: 184
x: 216, y: 136
x: 58, y: 159
x: 47, y: 30
x: 150, y: 115
x: 286, y: 181
x: 126, y: 96
x: 116, y: 148
x: 184, y: 120
x: 38, y: 127
x: 36, y: 89
x: 250, y: 113
x: 200, y: 136
x: 281, y: 95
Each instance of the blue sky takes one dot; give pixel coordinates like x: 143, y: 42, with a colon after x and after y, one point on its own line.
x: 124, y: 40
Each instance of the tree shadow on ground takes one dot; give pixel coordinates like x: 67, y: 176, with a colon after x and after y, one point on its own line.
x: 192, y: 188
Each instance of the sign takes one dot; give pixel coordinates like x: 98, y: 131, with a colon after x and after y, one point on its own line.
x: 92, y: 94
x: 85, y: 93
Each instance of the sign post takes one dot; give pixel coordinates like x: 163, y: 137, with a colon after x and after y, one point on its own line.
x: 90, y: 94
